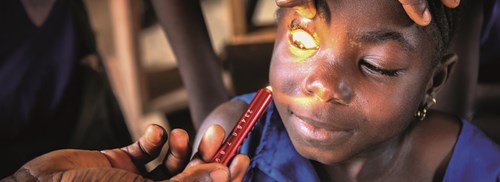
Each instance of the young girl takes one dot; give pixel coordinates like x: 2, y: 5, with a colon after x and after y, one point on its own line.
x: 352, y: 89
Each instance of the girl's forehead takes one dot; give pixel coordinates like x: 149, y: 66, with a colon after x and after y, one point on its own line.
x: 366, y: 11
x: 368, y: 20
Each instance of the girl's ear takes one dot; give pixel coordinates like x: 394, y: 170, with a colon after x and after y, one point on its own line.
x: 441, y: 74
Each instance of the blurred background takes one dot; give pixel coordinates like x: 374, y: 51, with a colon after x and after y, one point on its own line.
x: 143, y: 69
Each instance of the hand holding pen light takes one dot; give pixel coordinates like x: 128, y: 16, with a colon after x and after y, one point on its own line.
x: 244, y: 125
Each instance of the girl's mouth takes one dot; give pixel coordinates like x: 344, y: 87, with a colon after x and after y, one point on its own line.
x: 318, y: 133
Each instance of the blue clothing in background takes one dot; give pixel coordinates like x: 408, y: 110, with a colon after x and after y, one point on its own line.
x: 36, y: 64
x: 273, y: 158
x: 49, y: 98
x: 39, y: 90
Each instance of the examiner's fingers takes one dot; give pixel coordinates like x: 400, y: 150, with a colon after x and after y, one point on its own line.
x: 139, y: 153
x: 93, y: 174
x: 203, y: 172
x: 211, y: 142
x: 305, y: 8
x: 451, y: 3
x: 239, y: 167
x: 179, y: 152
x: 417, y: 10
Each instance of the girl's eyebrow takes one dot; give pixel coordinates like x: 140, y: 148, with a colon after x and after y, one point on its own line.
x: 385, y: 35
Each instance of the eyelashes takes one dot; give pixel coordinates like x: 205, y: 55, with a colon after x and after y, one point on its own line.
x: 301, y: 42
x: 380, y: 71
x: 301, y: 38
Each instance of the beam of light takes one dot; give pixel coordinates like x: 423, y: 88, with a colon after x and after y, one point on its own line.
x: 301, y: 100
x: 302, y: 44
x: 303, y: 39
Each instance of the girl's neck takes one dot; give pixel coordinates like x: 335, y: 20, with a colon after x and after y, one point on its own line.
x: 421, y: 153
x: 377, y: 163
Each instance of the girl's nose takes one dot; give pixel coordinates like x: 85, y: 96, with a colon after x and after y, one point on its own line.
x: 328, y: 85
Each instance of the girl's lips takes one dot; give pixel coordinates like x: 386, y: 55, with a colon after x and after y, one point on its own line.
x: 316, y: 123
x: 317, y: 133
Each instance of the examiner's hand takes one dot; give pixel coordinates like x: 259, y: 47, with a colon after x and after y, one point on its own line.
x: 126, y: 164
x: 210, y: 143
x: 305, y: 8
x: 417, y: 10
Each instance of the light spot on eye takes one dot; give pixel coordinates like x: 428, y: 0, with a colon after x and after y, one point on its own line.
x: 303, y: 40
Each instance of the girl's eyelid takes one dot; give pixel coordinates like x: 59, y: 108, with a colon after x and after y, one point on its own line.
x: 378, y: 62
x: 382, y: 71
x: 304, y: 36
x: 298, y: 48
x: 303, y: 40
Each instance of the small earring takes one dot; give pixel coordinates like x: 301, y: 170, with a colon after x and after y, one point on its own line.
x: 420, y: 115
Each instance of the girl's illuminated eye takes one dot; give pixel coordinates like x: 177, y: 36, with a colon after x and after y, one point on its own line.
x: 303, y: 39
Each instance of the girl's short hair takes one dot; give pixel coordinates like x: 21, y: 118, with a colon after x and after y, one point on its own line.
x: 443, y: 25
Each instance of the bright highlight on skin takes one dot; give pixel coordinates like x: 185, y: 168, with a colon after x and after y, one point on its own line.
x: 303, y: 40
x: 269, y: 88
x: 302, y: 44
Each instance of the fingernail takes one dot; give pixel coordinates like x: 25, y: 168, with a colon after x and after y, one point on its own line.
x: 306, y: 11
x: 426, y: 16
x: 286, y: 3
x: 219, y: 175
x: 309, y: 13
x: 210, y: 132
x: 154, y: 134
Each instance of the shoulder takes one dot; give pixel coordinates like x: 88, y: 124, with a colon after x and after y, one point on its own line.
x: 455, y: 149
x: 475, y: 157
x: 247, y: 98
x: 225, y: 115
x: 228, y: 113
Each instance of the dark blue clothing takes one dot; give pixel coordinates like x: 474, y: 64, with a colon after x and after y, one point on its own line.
x: 273, y: 158
x: 39, y: 89
x: 474, y: 158
x: 36, y: 64
x: 49, y: 99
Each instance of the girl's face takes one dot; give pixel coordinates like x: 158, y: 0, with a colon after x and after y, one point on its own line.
x: 349, y: 79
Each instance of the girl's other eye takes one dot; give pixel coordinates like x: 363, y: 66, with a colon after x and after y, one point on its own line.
x: 303, y: 39
x: 381, y: 71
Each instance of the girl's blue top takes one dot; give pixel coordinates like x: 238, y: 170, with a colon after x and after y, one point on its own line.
x: 475, y: 157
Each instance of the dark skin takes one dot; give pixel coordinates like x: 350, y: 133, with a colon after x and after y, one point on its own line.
x: 127, y: 164
x: 417, y: 10
x: 349, y: 105
x: 458, y: 96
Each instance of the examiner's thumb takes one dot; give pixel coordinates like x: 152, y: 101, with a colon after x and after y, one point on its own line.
x: 219, y: 175
x: 204, y: 172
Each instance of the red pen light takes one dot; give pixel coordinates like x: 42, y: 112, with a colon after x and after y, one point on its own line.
x: 244, y: 125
